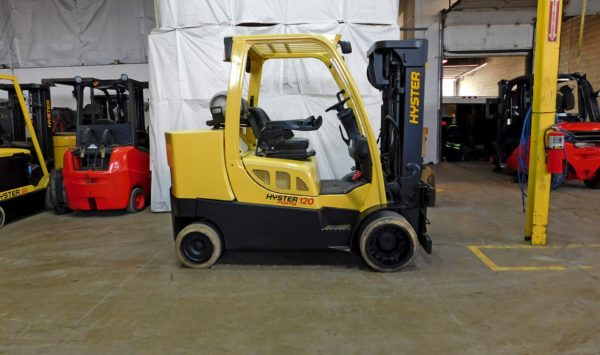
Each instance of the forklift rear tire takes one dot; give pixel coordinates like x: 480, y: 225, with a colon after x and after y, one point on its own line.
x: 593, y: 183
x: 137, y: 200
x: 2, y: 217
x: 61, y: 209
x: 198, y: 246
x: 388, y: 242
x: 48, y: 200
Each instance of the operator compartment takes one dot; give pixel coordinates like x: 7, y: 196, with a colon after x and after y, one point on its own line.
x: 197, y: 163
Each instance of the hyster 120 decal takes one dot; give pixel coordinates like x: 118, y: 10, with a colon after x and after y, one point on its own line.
x: 12, y: 193
x: 285, y: 200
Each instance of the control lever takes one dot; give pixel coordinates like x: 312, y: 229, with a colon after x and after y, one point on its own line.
x: 341, y: 101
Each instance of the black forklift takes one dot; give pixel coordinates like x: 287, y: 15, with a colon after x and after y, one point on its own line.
x: 26, y: 146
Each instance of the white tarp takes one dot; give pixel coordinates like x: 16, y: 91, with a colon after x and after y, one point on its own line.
x: 5, y: 34
x: 185, y: 13
x: 55, y: 33
x: 186, y: 69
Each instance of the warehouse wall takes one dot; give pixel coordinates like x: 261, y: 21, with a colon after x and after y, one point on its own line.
x: 68, y: 38
x: 484, y: 81
x: 57, y: 33
x: 589, y: 53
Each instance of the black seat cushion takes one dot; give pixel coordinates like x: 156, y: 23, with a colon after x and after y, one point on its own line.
x: 293, y: 144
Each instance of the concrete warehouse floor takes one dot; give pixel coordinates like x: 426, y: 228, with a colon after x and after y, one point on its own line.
x: 97, y: 283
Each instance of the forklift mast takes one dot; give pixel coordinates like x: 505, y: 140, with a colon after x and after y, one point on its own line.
x: 104, y: 96
x: 397, y: 68
x: 40, y: 106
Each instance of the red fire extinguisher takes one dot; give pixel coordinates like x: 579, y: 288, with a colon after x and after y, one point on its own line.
x: 555, y: 144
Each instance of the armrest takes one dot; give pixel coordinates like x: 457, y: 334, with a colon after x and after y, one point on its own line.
x: 308, y: 124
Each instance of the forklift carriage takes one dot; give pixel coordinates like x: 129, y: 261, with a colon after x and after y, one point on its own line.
x: 270, y: 196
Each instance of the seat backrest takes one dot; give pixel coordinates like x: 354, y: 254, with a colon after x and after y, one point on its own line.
x: 98, y: 110
x: 258, y: 120
x: 567, y: 99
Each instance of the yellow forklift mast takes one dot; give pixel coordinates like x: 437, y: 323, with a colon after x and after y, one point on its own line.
x: 266, y: 193
x: 23, y: 160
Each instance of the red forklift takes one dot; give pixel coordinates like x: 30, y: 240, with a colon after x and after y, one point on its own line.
x: 577, y: 118
x: 109, y: 168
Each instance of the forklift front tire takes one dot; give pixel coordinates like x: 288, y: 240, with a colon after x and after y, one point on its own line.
x: 2, y: 217
x: 198, y: 246
x: 388, y: 242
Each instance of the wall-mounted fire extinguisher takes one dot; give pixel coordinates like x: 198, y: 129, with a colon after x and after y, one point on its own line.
x: 555, y: 144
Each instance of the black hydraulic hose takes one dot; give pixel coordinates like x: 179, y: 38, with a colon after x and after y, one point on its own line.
x: 396, y: 114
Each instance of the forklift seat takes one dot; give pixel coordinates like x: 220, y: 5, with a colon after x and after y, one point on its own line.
x: 275, y: 140
x: 96, y: 110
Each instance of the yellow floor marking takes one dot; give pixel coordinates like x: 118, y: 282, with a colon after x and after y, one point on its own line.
x: 526, y: 246
x: 476, y: 249
x: 439, y: 190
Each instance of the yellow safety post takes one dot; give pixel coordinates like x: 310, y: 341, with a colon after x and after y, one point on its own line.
x: 547, y: 46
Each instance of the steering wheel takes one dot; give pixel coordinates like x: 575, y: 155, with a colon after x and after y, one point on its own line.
x: 340, y: 104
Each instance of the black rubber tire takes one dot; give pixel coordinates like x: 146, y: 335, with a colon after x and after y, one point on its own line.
x: 198, y: 245
x: 53, y: 202
x: 61, y: 209
x: 390, y: 228
x: 593, y: 183
x: 48, y: 200
x: 134, y: 206
x: 51, y: 198
x: 2, y: 217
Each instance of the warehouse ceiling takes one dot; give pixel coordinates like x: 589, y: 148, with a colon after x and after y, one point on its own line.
x: 457, y: 67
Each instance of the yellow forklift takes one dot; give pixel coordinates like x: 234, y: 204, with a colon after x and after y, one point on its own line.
x: 26, y: 148
x: 250, y: 184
